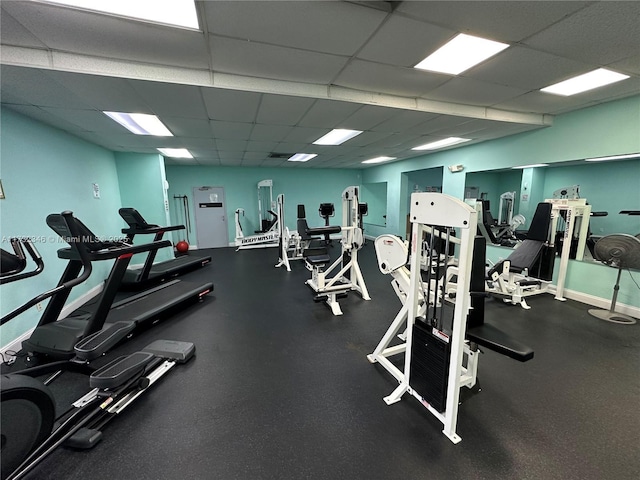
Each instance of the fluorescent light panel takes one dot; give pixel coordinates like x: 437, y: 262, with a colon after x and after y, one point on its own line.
x: 180, y: 13
x: 460, y: 54
x: 175, y: 152
x: 445, y: 142
x: 141, y: 123
x: 379, y: 159
x: 533, y: 165
x: 586, y: 81
x: 337, y: 136
x: 302, y: 157
x: 613, y: 157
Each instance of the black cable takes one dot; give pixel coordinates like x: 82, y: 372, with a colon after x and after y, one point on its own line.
x: 634, y: 280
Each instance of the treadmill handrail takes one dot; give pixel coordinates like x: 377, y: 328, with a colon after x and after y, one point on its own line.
x: 114, y: 251
x: 13, y: 276
x: 152, y: 229
x: 67, y: 216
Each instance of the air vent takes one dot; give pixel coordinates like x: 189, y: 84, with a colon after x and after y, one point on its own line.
x: 280, y: 155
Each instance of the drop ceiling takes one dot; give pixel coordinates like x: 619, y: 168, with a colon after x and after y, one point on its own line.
x: 271, y: 77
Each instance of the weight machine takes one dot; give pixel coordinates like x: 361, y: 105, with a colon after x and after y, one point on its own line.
x: 347, y: 275
x: 505, y: 211
x: 265, y: 239
x: 575, y: 214
x: 268, y: 234
x: 265, y: 206
x: 440, y: 352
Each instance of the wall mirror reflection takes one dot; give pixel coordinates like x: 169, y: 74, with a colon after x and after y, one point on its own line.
x: 609, y: 187
x: 375, y: 196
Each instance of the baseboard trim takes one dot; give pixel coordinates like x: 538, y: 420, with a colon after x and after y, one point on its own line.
x: 16, y: 344
x: 599, y: 302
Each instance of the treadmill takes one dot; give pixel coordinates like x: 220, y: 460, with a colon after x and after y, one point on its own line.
x: 141, y: 277
x: 55, y: 338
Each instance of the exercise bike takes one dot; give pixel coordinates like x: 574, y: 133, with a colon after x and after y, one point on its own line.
x: 30, y: 430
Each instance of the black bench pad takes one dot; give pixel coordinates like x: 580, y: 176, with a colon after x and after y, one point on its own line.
x: 318, y: 259
x: 324, y: 230
x: 490, y: 337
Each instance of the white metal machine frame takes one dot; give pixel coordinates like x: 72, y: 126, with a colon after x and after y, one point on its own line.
x: 347, y: 275
x: 291, y: 246
x: 265, y: 239
x: 507, y: 200
x: 444, y: 212
x: 576, y: 214
x: 261, y: 240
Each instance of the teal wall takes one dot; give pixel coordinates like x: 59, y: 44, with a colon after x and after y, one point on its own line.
x: 606, y: 129
x: 142, y: 186
x: 43, y: 171
x: 306, y: 186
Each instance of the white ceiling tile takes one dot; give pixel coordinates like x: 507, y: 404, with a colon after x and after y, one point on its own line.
x: 13, y: 33
x: 367, y: 117
x: 188, y: 127
x: 231, y: 130
x: 231, y: 145
x: 629, y: 65
x: 172, y: 100
x: 78, y: 31
x: 231, y: 105
x: 257, y: 146
x: 304, y: 135
x: 502, y: 21
x: 269, y: 133
x: 36, y: 87
x: 102, y: 93
x: 89, y: 120
x: 282, y: 109
x: 327, y: 113
x: 406, y: 82
x: 404, y: 42
x: 332, y: 27
x: 192, y: 142
x: 271, y: 61
x: 255, y: 156
x: 525, y: 68
x: 403, y: 121
x: 473, y: 92
x: 611, y: 34
x: 539, y: 102
x: 367, y: 138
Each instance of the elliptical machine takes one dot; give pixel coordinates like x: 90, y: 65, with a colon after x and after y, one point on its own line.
x: 30, y: 430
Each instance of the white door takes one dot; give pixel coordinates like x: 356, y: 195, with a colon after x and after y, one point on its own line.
x: 211, y: 219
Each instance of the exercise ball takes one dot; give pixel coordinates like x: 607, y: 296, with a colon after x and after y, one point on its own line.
x: 182, y: 246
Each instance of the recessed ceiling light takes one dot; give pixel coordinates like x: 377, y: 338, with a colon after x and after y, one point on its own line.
x: 175, y: 152
x: 613, y: 157
x: 586, y: 81
x: 445, y: 142
x: 460, y: 54
x: 337, y: 136
x: 140, y: 123
x: 302, y: 157
x: 180, y: 13
x: 533, y: 165
x: 379, y: 159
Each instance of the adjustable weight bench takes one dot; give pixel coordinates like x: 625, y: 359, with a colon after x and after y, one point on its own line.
x: 529, y: 268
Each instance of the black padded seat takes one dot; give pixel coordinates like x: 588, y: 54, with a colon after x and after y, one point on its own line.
x: 494, y: 339
x: 317, y: 260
